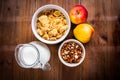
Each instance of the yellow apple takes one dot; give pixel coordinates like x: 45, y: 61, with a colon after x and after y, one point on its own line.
x: 83, y: 32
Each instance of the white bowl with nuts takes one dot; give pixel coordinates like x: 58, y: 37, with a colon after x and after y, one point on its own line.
x: 51, y: 24
x: 71, y: 53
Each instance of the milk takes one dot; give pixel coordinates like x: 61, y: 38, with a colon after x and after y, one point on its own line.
x: 29, y: 55
x: 43, y: 50
x: 33, y: 55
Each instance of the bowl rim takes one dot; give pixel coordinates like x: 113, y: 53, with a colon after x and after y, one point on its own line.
x: 72, y: 64
x: 50, y: 6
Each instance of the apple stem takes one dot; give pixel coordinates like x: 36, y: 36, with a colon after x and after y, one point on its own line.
x: 78, y: 12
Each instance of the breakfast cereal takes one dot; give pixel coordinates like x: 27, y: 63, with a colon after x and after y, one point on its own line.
x: 51, y: 24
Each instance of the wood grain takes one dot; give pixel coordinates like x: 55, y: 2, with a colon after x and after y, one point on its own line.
x: 102, y: 52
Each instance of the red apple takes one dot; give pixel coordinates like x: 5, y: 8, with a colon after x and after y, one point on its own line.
x: 78, y: 14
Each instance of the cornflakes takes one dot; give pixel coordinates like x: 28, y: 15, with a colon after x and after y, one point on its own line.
x: 51, y: 24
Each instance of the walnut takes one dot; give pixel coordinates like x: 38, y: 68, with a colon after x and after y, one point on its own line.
x: 71, y: 52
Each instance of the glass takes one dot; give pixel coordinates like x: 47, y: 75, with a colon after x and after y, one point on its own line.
x: 28, y: 56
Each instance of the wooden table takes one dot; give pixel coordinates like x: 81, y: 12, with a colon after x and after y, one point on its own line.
x: 102, y: 61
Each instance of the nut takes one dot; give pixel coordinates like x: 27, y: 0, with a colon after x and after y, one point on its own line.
x: 71, y: 52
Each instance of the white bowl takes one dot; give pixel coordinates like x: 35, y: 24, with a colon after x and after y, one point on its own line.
x: 34, y: 21
x: 72, y: 64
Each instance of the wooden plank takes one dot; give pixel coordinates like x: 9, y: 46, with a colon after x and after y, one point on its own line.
x: 7, y: 38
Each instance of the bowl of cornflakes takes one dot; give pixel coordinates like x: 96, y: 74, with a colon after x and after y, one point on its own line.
x: 51, y: 24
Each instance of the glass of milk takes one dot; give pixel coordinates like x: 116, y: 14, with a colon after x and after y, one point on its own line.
x: 33, y: 55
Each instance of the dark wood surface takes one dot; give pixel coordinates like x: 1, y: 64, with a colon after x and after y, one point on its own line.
x: 102, y: 61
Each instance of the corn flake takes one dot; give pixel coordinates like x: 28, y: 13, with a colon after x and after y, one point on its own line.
x: 51, y: 24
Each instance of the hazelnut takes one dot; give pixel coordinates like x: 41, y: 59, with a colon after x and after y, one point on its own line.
x: 71, y: 52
